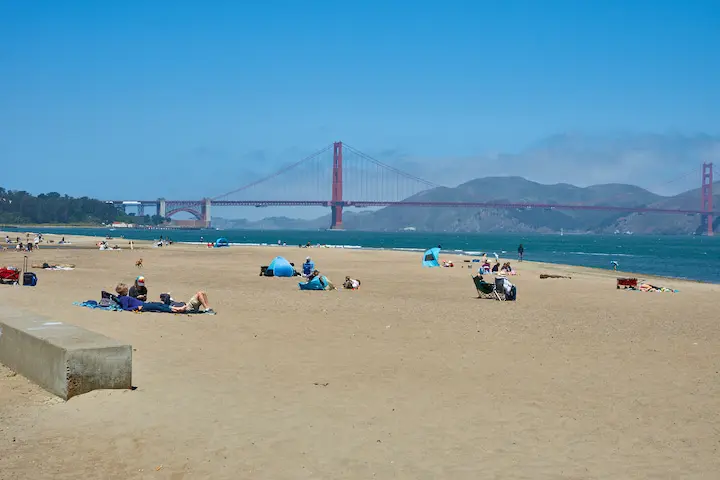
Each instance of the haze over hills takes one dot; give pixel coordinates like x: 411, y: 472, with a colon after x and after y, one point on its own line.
x: 664, y: 163
x: 514, y: 190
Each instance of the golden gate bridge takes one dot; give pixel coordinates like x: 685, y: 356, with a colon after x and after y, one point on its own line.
x: 358, y: 180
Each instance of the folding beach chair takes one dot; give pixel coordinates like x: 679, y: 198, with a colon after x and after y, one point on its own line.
x: 485, y: 289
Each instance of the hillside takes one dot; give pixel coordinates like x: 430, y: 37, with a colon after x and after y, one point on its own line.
x: 19, y: 207
x: 611, y: 162
x: 509, y: 190
x: 669, y: 224
x: 514, y: 190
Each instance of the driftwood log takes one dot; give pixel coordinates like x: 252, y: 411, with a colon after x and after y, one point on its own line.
x: 547, y: 275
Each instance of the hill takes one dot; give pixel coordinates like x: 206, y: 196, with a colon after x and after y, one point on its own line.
x: 515, y: 190
x: 669, y: 224
x: 614, y: 162
x: 509, y: 190
x: 20, y: 207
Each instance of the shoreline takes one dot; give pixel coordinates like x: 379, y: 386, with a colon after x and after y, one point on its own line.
x: 85, y: 242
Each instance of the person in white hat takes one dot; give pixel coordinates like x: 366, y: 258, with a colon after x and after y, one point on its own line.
x: 308, y: 267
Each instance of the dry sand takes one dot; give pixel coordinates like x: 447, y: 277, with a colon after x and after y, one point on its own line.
x: 410, y: 377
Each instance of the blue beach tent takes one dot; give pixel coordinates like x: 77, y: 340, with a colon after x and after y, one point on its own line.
x: 281, y: 268
x: 318, y: 283
x: 430, y: 257
x: 221, y: 242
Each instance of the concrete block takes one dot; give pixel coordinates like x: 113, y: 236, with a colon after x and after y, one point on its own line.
x: 64, y: 359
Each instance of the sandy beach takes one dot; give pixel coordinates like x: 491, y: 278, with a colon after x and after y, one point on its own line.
x: 409, y: 377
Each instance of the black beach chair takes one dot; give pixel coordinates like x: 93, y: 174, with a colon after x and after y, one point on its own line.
x: 485, y: 289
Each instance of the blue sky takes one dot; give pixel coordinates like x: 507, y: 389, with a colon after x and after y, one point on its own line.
x: 196, y: 98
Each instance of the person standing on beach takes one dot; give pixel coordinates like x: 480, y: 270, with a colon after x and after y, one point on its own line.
x: 521, y: 252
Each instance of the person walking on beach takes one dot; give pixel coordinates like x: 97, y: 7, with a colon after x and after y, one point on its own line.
x: 521, y: 252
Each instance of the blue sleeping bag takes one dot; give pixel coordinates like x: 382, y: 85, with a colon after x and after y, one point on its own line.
x: 317, y: 283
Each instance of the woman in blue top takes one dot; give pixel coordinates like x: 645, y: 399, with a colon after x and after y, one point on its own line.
x: 133, y: 304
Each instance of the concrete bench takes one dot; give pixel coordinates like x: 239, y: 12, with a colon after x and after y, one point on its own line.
x: 64, y: 359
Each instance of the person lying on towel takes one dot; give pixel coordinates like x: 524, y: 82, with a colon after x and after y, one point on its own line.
x: 351, y: 283
x: 132, y: 304
x: 199, y: 300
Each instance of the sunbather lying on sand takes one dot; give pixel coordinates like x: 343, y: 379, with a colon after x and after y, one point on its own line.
x: 133, y: 304
x: 198, y: 300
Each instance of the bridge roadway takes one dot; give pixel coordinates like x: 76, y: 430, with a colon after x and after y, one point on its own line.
x: 366, y: 204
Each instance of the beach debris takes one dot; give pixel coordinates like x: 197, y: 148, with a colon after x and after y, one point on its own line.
x: 627, y: 283
x: 321, y: 384
x: 54, y: 266
x: 646, y: 287
x: 548, y: 275
x: 158, y: 468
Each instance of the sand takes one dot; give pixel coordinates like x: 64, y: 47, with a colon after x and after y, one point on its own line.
x: 410, y: 377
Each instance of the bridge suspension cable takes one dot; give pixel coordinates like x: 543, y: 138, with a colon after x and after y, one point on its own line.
x: 279, y: 172
x: 388, y: 167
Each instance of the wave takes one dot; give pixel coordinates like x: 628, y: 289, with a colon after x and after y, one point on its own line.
x: 598, y: 254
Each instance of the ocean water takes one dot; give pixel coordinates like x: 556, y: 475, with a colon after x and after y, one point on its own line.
x: 695, y: 258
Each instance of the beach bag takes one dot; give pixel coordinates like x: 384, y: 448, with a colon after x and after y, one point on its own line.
x: 29, y: 278
x: 107, y: 299
x: 512, y: 295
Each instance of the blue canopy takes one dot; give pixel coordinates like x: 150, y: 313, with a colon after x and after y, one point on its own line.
x: 222, y: 242
x: 430, y: 257
x: 317, y: 283
x: 281, y: 268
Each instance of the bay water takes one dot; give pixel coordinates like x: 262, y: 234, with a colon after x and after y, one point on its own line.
x: 689, y: 257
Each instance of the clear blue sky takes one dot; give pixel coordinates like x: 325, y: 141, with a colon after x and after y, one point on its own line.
x: 201, y: 96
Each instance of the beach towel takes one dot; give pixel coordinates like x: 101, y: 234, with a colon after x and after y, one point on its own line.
x: 97, y: 306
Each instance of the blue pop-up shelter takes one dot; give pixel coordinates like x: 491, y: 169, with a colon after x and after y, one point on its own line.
x: 318, y: 283
x: 221, y: 242
x: 430, y: 257
x: 281, y: 268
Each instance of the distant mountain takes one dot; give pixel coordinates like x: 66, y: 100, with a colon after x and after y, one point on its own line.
x: 514, y: 190
x: 508, y: 190
x: 669, y: 224
x: 650, y: 159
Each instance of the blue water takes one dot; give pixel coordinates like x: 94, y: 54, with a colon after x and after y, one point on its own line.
x: 696, y: 258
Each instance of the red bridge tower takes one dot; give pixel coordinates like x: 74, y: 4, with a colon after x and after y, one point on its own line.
x: 336, y: 204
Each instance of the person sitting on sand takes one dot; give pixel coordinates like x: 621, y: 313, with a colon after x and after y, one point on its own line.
x: 197, y: 301
x: 351, y: 283
x: 132, y: 304
x: 314, y: 274
x: 506, y: 268
x: 496, y: 267
x: 139, y: 290
x: 308, y: 267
